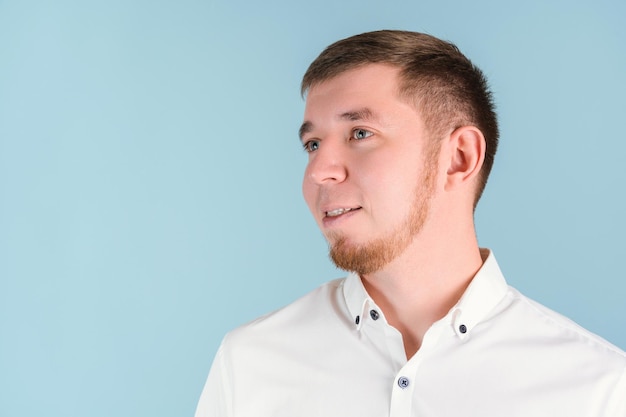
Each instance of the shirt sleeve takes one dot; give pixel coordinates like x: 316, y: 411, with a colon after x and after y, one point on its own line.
x: 215, y: 398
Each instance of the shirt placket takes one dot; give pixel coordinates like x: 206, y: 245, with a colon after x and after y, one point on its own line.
x: 404, y: 384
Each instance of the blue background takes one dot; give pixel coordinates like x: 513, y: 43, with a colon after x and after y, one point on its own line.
x: 150, y: 178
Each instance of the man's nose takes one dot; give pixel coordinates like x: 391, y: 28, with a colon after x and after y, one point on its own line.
x: 327, y: 164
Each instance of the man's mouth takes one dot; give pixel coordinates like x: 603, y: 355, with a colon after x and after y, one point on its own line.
x: 339, y: 211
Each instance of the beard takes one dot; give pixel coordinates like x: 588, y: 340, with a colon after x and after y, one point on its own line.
x: 377, y: 253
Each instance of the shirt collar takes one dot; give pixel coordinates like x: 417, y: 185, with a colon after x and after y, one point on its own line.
x: 484, y: 292
x: 357, y: 298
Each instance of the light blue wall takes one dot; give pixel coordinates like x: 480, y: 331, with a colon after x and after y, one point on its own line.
x: 150, y: 178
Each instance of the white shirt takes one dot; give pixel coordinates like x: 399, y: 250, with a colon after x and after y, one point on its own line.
x: 496, y: 353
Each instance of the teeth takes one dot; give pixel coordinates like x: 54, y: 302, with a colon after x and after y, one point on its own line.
x: 337, y: 212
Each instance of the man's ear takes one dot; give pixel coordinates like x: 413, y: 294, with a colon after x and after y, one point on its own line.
x: 466, y: 156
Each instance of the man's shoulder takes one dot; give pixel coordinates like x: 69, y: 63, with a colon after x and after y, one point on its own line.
x: 545, y: 325
x: 323, y: 306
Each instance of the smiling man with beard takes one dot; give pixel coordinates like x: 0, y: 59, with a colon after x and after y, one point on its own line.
x: 401, y: 135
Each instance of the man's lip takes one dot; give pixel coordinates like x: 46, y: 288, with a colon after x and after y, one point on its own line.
x: 339, y: 211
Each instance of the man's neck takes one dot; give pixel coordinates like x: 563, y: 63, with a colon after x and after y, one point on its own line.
x: 423, y: 284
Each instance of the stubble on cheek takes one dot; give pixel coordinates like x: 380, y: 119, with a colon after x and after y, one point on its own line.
x: 375, y: 254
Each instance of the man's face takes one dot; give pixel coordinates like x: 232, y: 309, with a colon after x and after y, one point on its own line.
x: 371, y: 171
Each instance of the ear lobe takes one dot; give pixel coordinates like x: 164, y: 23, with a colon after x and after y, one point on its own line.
x: 467, y: 153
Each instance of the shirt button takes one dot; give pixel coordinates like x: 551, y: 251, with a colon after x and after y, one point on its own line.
x: 358, y: 319
x: 403, y: 382
x: 463, y: 328
x: 374, y: 314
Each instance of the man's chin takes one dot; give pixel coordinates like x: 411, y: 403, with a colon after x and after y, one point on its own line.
x: 362, y: 259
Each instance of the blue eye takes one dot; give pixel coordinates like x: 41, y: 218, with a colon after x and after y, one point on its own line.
x: 311, y: 146
x: 359, y: 134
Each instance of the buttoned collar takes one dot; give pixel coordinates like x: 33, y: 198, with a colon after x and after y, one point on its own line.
x: 357, y: 299
x: 484, y: 292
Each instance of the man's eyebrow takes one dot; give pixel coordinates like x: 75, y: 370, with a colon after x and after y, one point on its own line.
x: 354, y: 115
x: 304, y: 129
x: 360, y: 114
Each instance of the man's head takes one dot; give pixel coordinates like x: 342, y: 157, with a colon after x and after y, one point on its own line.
x: 443, y: 85
x: 394, y: 126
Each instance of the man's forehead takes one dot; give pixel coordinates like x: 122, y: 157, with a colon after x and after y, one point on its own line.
x: 363, y: 93
x: 355, y: 88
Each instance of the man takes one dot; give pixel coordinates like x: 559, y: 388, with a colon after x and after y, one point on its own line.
x: 401, y: 136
